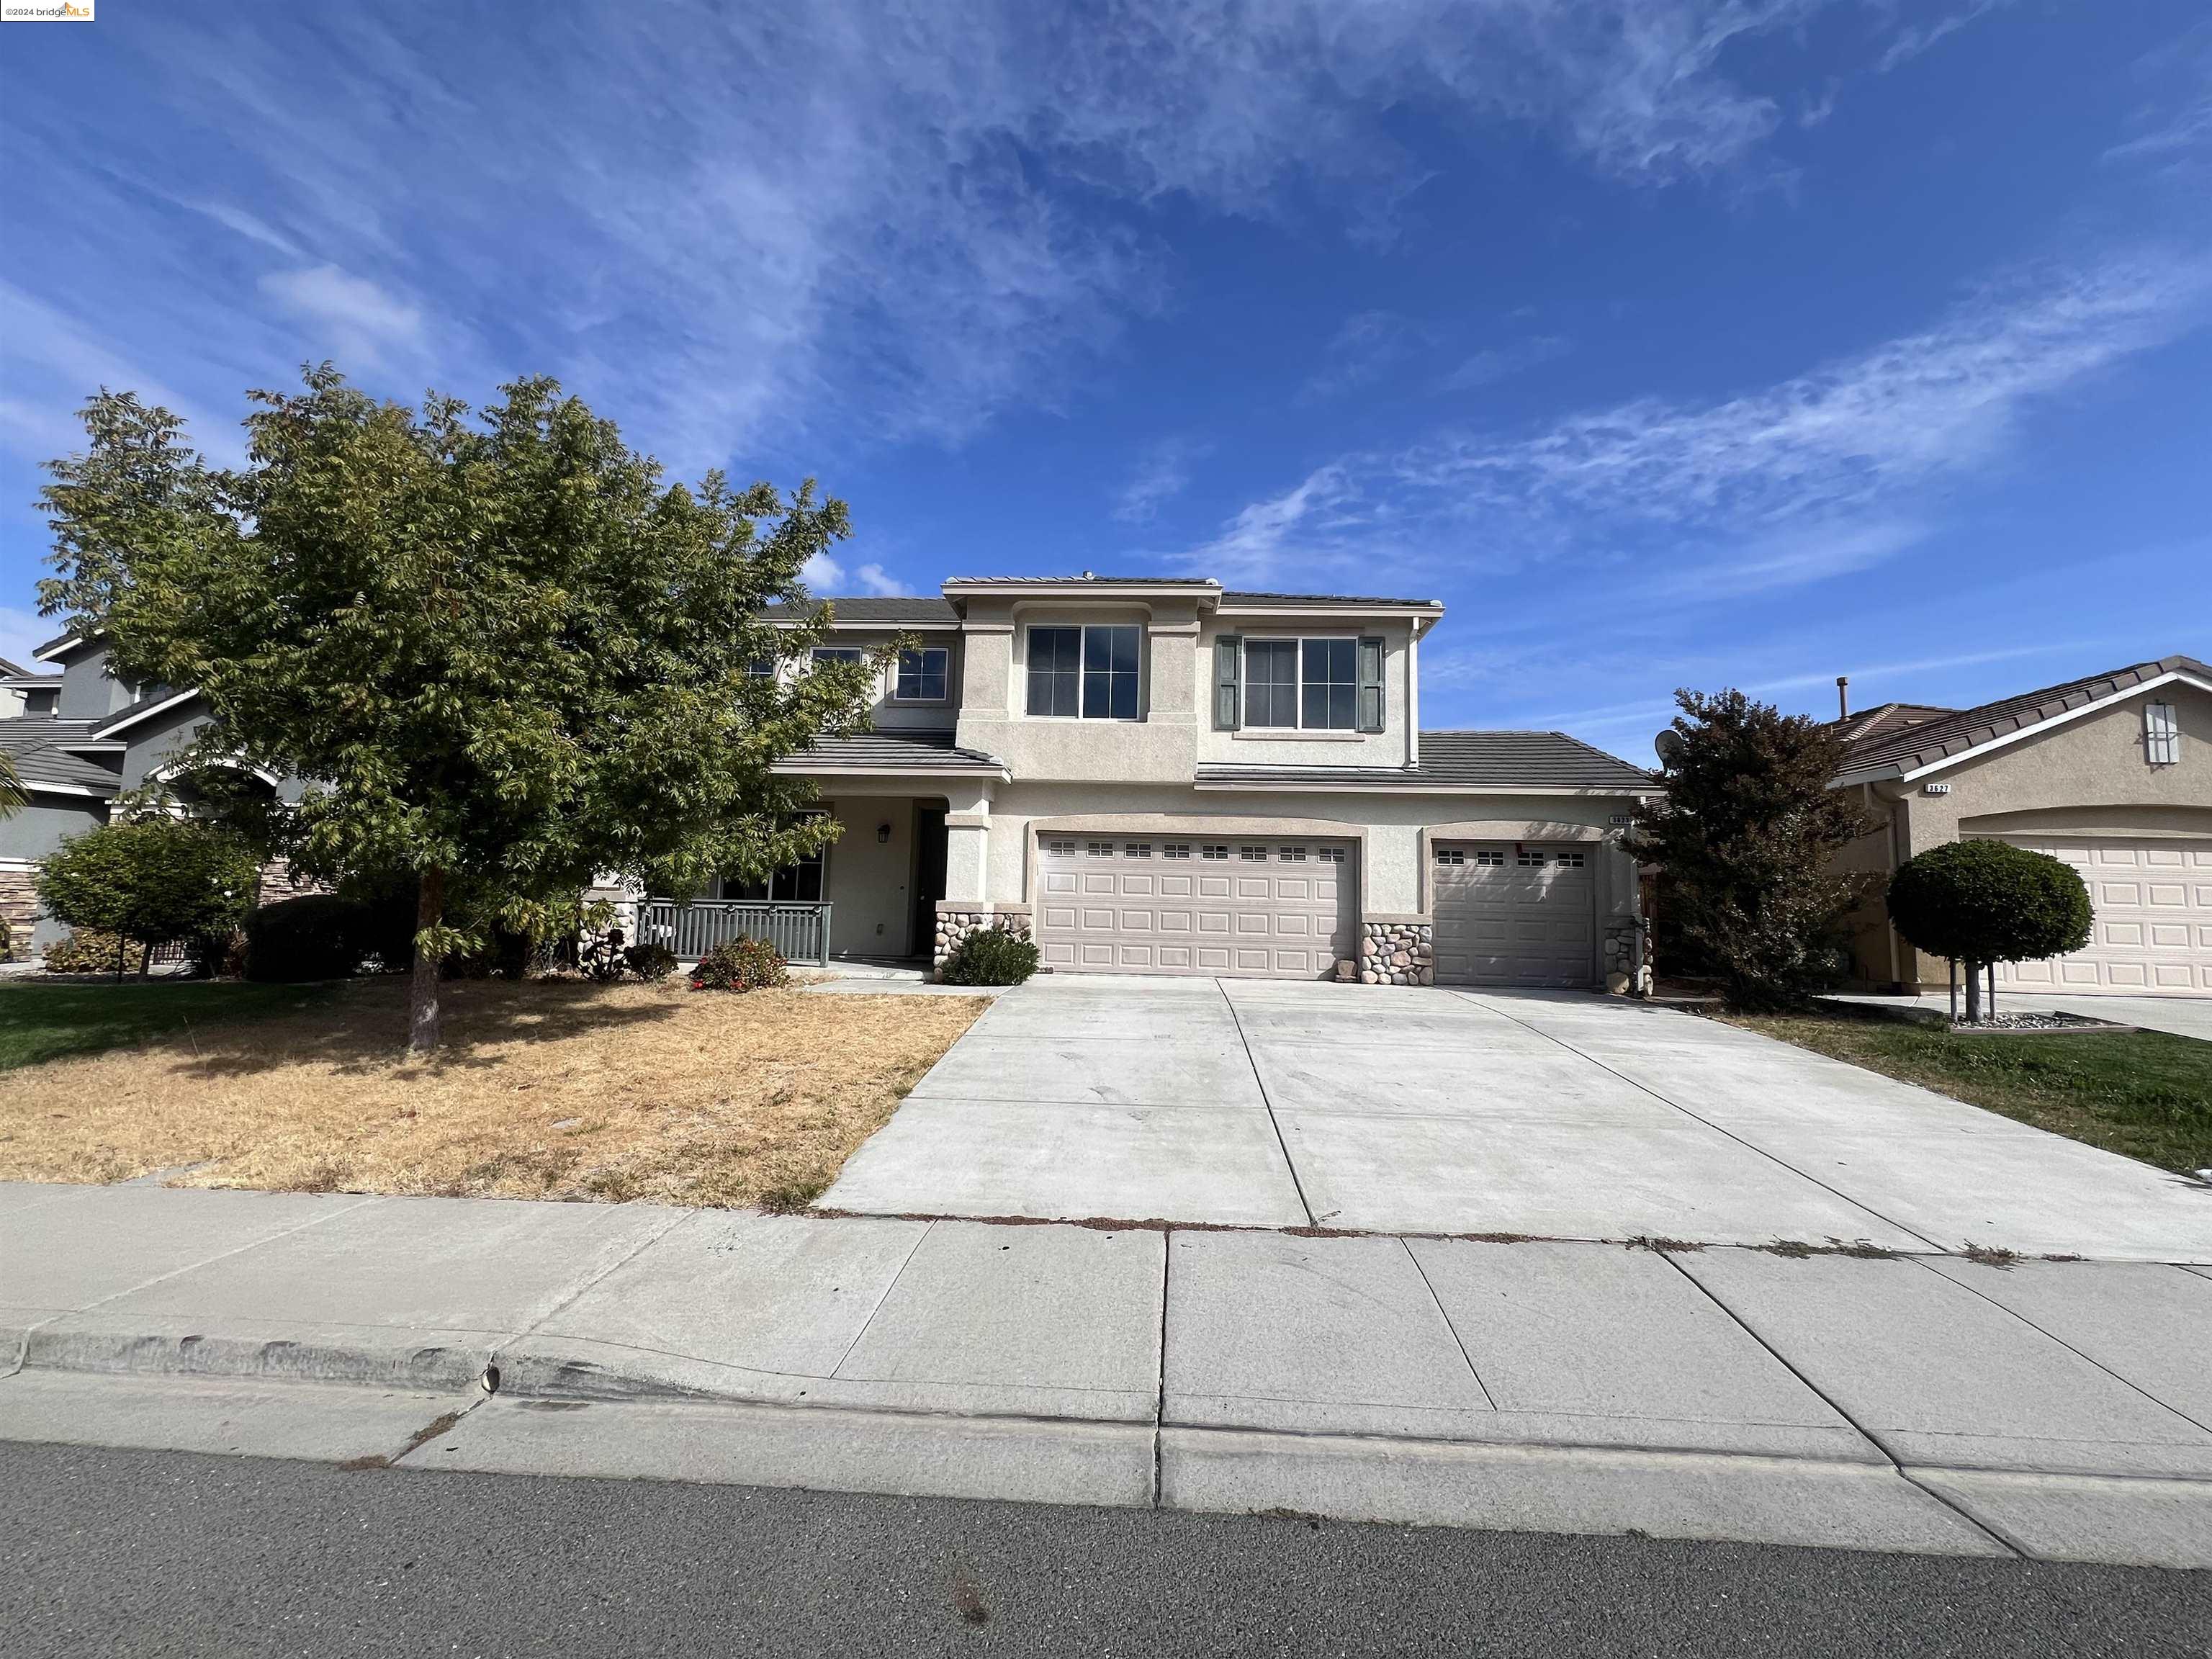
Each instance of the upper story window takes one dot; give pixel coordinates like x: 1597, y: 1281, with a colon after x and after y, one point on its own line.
x: 1322, y: 685
x: 1085, y: 673
x: 761, y: 668
x: 921, y: 675
x: 2161, y: 734
x: 839, y: 653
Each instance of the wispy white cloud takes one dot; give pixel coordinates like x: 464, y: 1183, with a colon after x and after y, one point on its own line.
x: 350, y: 318
x: 2176, y: 121
x: 1819, y: 475
x: 1917, y: 37
x: 1162, y: 472
x: 1496, y: 363
x: 907, y: 219
x: 1370, y: 344
x: 875, y: 579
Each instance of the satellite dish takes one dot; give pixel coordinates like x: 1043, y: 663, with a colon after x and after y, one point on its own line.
x: 1668, y: 744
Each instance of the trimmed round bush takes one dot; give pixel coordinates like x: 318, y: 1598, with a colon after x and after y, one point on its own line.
x: 1985, y: 901
x: 150, y: 880
x: 315, y: 936
x: 989, y: 956
x: 740, y: 964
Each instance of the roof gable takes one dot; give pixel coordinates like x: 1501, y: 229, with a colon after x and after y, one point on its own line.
x: 1903, y: 749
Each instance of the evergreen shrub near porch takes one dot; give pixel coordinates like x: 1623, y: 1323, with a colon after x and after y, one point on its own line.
x: 989, y: 956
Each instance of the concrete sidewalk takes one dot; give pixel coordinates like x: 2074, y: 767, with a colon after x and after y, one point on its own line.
x: 1932, y: 1404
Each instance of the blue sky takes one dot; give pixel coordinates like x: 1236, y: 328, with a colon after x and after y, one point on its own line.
x: 1667, y: 342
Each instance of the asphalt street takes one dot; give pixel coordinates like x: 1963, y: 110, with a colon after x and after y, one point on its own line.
x: 137, y: 1553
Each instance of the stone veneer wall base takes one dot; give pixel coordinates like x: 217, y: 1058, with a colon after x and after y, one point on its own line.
x: 954, y: 924
x: 1397, y: 953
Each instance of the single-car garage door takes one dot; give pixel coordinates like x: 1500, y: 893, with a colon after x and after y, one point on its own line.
x: 1154, y: 904
x: 2153, y: 932
x: 1509, y: 914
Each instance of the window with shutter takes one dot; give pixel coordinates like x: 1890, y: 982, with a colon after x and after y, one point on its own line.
x: 1371, y: 684
x: 2161, y: 734
x: 1228, y: 681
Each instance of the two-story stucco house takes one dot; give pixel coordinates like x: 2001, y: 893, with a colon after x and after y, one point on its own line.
x: 1161, y: 776
x: 1150, y: 775
x: 2111, y: 773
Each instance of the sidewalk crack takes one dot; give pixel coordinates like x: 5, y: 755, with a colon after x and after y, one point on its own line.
x: 1897, y: 1466
x: 1488, y: 1399
x: 1261, y: 1083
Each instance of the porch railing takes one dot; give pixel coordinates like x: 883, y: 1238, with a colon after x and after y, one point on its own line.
x: 799, y: 932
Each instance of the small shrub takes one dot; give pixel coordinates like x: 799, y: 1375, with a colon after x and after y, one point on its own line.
x: 739, y: 964
x: 650, y: 961
x: 88, y: 951
x: 989, y: 956
x: 315, y: 936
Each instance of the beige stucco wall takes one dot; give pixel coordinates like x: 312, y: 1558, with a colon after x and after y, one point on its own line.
x: 1392, y: 831
x: 1156, y: 747
x: 2086, y: 777
x: 1174, y: 733
x: 1388, y: 747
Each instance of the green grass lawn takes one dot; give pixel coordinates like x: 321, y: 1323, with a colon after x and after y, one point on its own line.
x: 2145, y: 1094
x: 41, y: 1022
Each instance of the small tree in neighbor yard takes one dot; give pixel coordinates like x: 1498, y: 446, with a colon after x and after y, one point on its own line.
x: 505, y: 654
x: 1745, y: 835
x: 150, y: 880
x: 1980, y: 901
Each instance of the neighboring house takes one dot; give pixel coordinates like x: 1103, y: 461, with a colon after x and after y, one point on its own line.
x: 1164, y: 777
x: 80, y: 738
x: 2111, y: 773
x: 1151, y: 776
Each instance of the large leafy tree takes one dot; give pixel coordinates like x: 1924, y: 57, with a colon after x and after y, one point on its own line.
x: 1746, y: 836
x: 503, y: 651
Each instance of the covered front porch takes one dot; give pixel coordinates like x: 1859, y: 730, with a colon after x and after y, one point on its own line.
x: 872, y: 894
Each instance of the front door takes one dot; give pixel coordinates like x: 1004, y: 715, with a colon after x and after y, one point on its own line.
x: 929, y: 874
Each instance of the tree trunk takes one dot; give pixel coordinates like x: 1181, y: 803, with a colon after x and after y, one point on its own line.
x: 422, y: 986
x: 1973, y: 993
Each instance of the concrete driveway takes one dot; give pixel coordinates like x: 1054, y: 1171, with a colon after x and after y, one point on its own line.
x: 1552, y: 1114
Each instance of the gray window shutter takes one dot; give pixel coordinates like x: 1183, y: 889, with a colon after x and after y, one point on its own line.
x: 1228, y: 681
x: 1370, y: 685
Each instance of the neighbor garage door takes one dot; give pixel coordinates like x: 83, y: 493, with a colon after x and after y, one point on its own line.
x: 2153, y: 934
x: 1152, y: 904
x: 1510, y: 914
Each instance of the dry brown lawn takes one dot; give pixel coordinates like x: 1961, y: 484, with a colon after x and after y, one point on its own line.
x: 545, y: 1090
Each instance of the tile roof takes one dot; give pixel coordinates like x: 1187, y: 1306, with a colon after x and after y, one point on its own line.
x: 34, y: 743
x: 1084, y: 576
x: 1241, y: 597
x: 1464, y: 760
x: 871, y: 608
x: 893, y: 752
x: 1896, y: 750
x: 1885, y: 718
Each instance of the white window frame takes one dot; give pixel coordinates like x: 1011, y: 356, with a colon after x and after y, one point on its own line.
x: 852, y: 654
x: 945, y: 673
x: 1082, y: 671
x: 1244, y: 720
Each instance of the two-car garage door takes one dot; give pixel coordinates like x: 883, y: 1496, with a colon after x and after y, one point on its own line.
x: 2152, y: 932
x: 1278, y: 909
